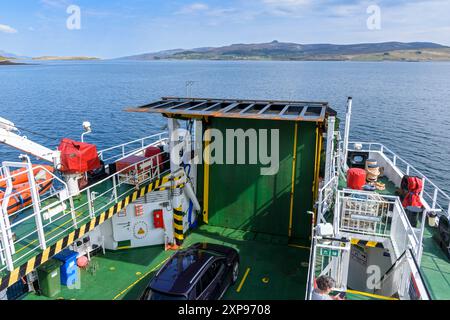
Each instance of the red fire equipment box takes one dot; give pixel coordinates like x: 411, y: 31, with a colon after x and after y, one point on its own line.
x: 158, y: 220
x: 78, y: 157
x: 356, y: 178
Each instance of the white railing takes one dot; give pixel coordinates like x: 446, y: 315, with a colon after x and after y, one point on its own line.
x: 132, y: 147
x: 404, y: 279
x: 437, y: 199
x: 326, y: 199
x: 328, y: 257
x: 375, y: 215
x: 99, y: 197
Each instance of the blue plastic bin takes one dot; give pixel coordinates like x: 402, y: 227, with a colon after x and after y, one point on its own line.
x: 69, y: 268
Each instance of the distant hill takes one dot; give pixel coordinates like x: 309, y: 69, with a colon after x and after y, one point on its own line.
x: 51, y: 58
x: 395, y: 51
x: 5, y: 54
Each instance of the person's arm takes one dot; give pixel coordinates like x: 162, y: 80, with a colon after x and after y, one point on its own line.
x: 339, y: 296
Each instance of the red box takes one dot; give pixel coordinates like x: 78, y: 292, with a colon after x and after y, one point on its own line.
x: 126, y: 164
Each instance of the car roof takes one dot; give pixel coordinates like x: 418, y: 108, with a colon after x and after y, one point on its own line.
x: 178, y: 275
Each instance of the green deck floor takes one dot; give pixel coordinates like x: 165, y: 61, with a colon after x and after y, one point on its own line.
x: 435, y: 267
x: 28, y: 245
x: 125, y: 274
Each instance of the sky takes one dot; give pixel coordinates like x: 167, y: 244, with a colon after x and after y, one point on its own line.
x: 113, y: 28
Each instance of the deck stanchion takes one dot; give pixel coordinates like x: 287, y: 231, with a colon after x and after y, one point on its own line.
x: 294, y: 163
x: 347, y: 129
x: 330, y: 142
x: 178, y: 226
x: 91, y: 213
x: 6, y: 244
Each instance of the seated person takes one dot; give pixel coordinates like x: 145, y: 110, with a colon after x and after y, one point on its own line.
x: 325, y: 285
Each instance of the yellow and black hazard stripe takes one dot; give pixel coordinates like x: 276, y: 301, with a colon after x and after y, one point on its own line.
x: 365, y: 243
x: 180, y: 186
x: 166, y: 180
x: 178, y: 229
x: 61, y: 244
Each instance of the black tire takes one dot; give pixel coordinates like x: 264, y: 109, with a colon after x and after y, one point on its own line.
x: 235, y: 272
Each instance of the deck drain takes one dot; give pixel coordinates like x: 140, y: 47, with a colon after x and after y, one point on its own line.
x: 304, y: 264
x: 265, y: 280
x: 138, y: 273
x: 112, y: 269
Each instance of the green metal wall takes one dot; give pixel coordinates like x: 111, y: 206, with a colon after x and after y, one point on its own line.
x: 241, y: 198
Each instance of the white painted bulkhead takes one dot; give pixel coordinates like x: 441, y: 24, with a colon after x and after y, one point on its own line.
x: 137, y: 228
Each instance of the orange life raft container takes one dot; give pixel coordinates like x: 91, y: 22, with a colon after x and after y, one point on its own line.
x: 21, y: 194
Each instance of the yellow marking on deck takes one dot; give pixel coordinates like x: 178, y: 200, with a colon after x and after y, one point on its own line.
x: 46, y: 234
x: 178, y: 217
x: 294, y: 164
x: 92, y: 224
x: 354, y: 241
x: 59, y: 246
x: 45, y: 255
x: 71, y: 238
x: 134, y: 197
x: 179, y: 236
x: 127, y: 201
x: 82, y: 231
x: 299, y: 246
x: 138, y: 280
x: 243, y: 280
x: 178, y: 227
x: 102, y: 218
x: 111, y: 212
x: 14, y: 277
x: 370, y: 295
x: 206, y: 177
x: 372, y: 244
x: 30, y: 265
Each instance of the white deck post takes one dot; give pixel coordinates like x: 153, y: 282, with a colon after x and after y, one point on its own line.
x: 329, y: 154
x: 173, y: 126
x: 348, y: 117
x: 6, y: 242
x: 36, y: 205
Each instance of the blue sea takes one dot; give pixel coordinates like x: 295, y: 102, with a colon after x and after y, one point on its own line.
x: 405, y: 106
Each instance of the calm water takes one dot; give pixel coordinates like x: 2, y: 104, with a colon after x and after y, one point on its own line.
x: 403, y: 105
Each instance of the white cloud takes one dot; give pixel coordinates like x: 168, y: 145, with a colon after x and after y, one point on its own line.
x: 55, y: 3
x: 287, y: 3
x: 7, y: 29
x: 286, y: 7
x: 193, y: 8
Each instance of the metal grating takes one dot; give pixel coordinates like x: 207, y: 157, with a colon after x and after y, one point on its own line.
x: 232, y: 108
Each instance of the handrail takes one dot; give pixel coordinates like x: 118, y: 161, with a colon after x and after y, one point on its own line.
x: 153, y: 171
x: 433, y: 198
x: 158, y: 136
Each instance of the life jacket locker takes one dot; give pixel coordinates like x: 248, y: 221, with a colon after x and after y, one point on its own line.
x: 158, y: 219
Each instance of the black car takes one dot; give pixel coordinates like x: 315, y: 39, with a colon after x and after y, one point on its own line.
x: 204, y: 271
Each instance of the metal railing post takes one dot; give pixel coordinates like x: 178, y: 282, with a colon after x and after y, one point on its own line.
x: 5, y: 241
x: 88, y: 193
x: 435, y: 198
x: 115, y: 188
x: 423, y: 187
x: 36, y: 206
x: 448, y: 210
x: 73, y: 213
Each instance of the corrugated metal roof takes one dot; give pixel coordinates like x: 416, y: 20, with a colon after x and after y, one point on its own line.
x: 235, y: 108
